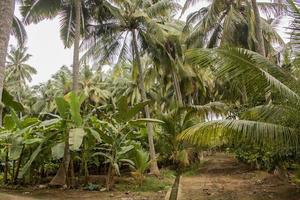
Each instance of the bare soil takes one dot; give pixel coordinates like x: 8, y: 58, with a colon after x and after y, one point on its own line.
x: 222, y: 177
x: 58, y: 194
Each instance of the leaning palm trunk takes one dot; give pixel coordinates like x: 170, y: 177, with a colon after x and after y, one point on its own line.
x: 153, y: 168
x: 6, y: 17
x: 259, y: 43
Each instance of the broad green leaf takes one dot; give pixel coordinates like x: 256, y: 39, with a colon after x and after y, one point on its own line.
x: 8, y: 122
x: 58, y: 150
x: 16, y: 118
x: 28, y: 121
x: 75, y: 102
x: 95, y: 134
x: 32, y: 141
x: 125, y: 149
x: 9, y: 101
x: 62, y: 107
x: 15, y: 149
x: 32, y: 158
x: 50, y: 122
x: 125, y: 113
x: 75, y: 138
x: 122, y: 104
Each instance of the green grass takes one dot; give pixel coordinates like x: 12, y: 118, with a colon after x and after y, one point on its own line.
x: 150, y: 184
x: 167, y: 173
x: 193, y: 170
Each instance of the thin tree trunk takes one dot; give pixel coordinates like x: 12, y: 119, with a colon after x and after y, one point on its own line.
x: 85, y: 162
x: 76, y: 46
x: 153, y: 168
x: 6, y: 167
x: 19, y: 93
x: 16, y: 174
x: 69, y: 167
x: 6, y: 17
x: 72, y: 173
x: 177, y: 88
x: 109, y: 177
x: 61, y: 177
x: 259, y: 44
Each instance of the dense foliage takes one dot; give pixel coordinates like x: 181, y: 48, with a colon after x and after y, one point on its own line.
x: 173, y: 89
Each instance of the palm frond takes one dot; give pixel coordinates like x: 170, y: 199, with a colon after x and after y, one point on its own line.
x: 210, y: 110
x: 271, y: 113
x: 274, y: 10
x: 259, y: 133
x: 234, y: 63
x: 34, y: 11
x: 18, y: 30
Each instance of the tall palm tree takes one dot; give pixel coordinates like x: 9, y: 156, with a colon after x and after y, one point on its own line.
x: 235, y: 23
x: 6, y: 20
x: 18, y: 72
x: 74, y: 16
x: 135, y: 25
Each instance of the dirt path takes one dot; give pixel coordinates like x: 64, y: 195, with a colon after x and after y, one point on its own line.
x: 51, y: 194
x: 223, y: 178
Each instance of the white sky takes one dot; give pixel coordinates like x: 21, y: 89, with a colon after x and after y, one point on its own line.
x: 47, y: 50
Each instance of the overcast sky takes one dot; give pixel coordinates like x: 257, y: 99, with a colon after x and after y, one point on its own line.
x: 47, y: 50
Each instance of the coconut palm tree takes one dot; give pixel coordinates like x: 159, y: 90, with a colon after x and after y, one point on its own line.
x: 235, y: 23
x: 18, y: 71
x: 71, y: 15
x: 73, y: 20
x: 134, y: 27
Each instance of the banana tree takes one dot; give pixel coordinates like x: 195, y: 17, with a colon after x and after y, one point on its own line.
x: 15, y: 135
x: 68, y: 108
x: 73, y: 128
x: 115, y: 134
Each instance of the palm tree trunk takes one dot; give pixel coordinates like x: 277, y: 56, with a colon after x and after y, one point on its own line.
x: 7, y: 8
x: 177, y: 88
x: 75, y: 81
x: 76, y: 45
x: 61, y: 177
x: 153, y: 168
x: 259, y: 43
